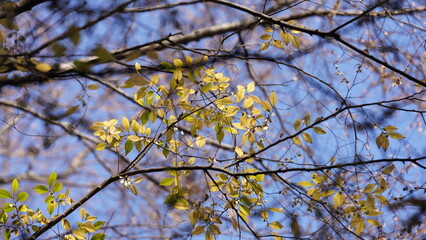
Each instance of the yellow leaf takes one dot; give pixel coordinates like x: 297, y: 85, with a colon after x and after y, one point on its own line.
x: 275, y: 225
x: 297, y: 141
x: 266, y: 37
x: 338, y: 199
x: 71, y: 110
x: 307, y: 119
x: 66, y: 224
x: 306, y: 184
x: 319, y: 130
x: 264, y: 46
x: 382, y: 199
x: 359, y: 227
x: 286, y: 37
x: 273, y: 98
x: 100, y: 146
x: 79, y: 234
x: 250, y: 87
x: 125, y: 123
x: 198, y: 230
x: 135, y: 126
x: 373, y: 213
x: 374, y: 222
x: 297, y: 123
x: 248, y: 102
x: 277, y: 43
x: 188, y: 60
x: 239, y: 151
x: 390, y: 128
x: 388, y: 169
x: 268, y: 29
x: 296, y: 42
x: 200, y: 141
x: 93, y: 86
x: 43, y: 67
x: 395, y: 135
x: 307, y: 137
x: 328, y: 193
x: 369, y: 187
x: 178, y: 63
x: 266, y: 106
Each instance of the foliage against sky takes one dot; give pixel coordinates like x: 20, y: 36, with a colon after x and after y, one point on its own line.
x: 213, y: 119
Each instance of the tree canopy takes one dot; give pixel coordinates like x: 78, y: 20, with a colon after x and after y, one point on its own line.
x: 212, y: 119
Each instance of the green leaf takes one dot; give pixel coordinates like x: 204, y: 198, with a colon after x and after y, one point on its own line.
x: 51, y: 207
x: 74, y: 35
x: 128, y: 146
x: 52, y: 179
x: 15, y: 185
x: 5, y: 194
x: 57, y: 187
x: 8, y: 207
x: 98, y: 236
x: 22, y: 196
x: 167, y: 181
x: 222, y: 176
x: 103, y: 54
x: 6, y: 234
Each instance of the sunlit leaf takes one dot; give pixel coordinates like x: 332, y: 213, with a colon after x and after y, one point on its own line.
x: 297, y: 141
x: 319, y: 130
x: 390, y: 128
x: 275, y: 225
x: 338, y: 199
x: 306, y: 184
x: 198, y: 230
x: 374, y: 222
x: 43, y: 67
x: 167, y: 181
x: 15, y: 185
x: 266, y: 36
x: 5, y: 194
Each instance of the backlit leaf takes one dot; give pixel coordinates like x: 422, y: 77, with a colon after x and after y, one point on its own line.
x: 275, y: 225
x: 250, y: 87
x: 5, y: 194
x: 306, y: 184
x: 43, y: 67
x: 319, y: 130
x: 338, y: 199
x: 198, y: 230
x: 167, y: 181
x: 15, y: 185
